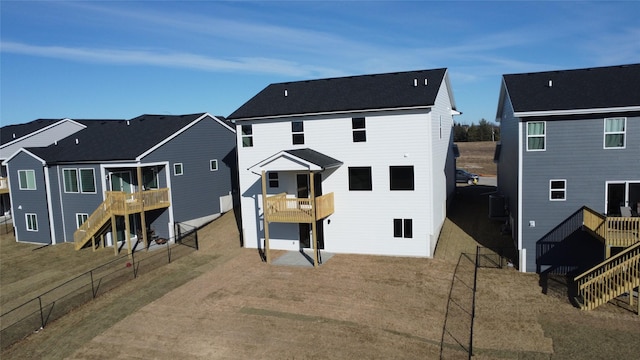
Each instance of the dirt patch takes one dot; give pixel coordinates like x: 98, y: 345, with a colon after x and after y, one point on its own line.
x: 477, y: 157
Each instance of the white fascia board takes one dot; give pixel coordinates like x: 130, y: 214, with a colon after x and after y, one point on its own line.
x: 577, y: 111
x: 26, y: 152
x: 333, y: 113
x: 262, y: 165
x: 174, y: 135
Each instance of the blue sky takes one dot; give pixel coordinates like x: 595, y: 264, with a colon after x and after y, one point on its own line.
x: 121, y: 59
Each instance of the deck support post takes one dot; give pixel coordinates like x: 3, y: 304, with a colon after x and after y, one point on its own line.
x: 114, y: 235
x: 127, y: 231
x: 314, y: 235
x: 267, y: 254
x: 143, y: 222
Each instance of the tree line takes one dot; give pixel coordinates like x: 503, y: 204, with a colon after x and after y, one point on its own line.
x: 483, y: 131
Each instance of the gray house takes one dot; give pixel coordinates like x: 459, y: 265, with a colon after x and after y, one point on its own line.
x: 569, y: 167
x: 123, y: 178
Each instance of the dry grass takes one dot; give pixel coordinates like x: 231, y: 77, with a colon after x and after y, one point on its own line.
x: 223, y: 303
x: 477, y: 157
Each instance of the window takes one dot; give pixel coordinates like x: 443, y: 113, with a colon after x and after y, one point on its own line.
x: 150, y: 178
x: 401, y: 177
x: 85, y: 180
x: 213, y: 165
x: 81, y: 218
x: 536, y: 136
x: 177, y: 169
x: 403, y: 228
x: 297, y: 131
x: 70, y: 180
x: 360, y: 178
x: 247, y: 136
x: 614, y: 131
x: 27, y: 179
x: 273, y: 180
x: 557, y: 190
x: 32, y: 222
x: 359, y: 131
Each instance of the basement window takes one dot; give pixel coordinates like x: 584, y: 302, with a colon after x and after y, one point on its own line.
x: 403, y: 228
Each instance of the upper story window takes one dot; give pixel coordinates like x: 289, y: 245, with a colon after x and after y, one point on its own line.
x: 247, y: 135
x: 79, y: 181
x: 360, y: 178
x: 27, y: 179
x: 401, y: 178
x: 536, y: 134
x: 177, y: 169
x: 557, y: 190
x: 359, y: 130
x: 297, y: 131
x: 614, y: 133
x: 274, y: 182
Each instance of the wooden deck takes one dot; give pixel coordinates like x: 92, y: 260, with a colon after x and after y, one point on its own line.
x: 283, y: 209
x: 612, y: 231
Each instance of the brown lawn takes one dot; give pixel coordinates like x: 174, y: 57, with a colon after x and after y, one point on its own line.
x: 477, y: 157
x: 222, y: 302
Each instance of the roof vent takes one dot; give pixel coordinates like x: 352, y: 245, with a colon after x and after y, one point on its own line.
x: 415, y: 82
x: 286, y: 92
x: 77, y: 141
x: 425, y: 81
x: 127, y: 122
x: 55, y: 143
x: 550, y: 83
x: 14, y: 135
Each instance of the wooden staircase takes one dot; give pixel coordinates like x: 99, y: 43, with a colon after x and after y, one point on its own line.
x: 618, y: 274
x: 118, y: 203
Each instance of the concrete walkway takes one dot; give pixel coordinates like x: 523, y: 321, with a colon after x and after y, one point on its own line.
x: 299, y: 258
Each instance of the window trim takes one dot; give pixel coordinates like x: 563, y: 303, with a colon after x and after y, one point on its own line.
x: 175, y: 169
x: 543, y: 136
x: 623, y: 133
x: 562, y: 190
x: 413, y: 178
x: 79, y: 184
x: 297, y: 135
x: 273, y: 181
x: 31, y: 225
x: 64, y: 181
x: 33, y: 177
x: 360, y: 130
x: 403, y: 228
x: 370, y: 187
x: 84, y: 216
x: 246, y: 135
x: 211, y: 165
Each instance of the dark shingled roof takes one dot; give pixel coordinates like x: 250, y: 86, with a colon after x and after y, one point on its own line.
x: 19, y: 130
x: 592, y: 88
x: 344, y: 94
x: 315, y: 157
x: 113, y: 140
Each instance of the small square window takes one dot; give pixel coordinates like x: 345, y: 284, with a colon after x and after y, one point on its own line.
x: 213, y: 165
x: 81, y: 218
x: 360, y: 178
x: 401, y: 178
x: 177, y: 169
x: 32, y: 222
x: 557, y: 190
x: 359, y: 129
x: 27, y: 179
x: 403, y: 228
x: 273, y: 180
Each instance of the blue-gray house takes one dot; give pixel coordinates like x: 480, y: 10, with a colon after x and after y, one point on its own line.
x: 569, y: 169
x: 130, y: 178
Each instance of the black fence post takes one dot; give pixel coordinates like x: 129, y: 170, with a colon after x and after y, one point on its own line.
x: 473, y: 302
x: 41, y: 313
x: 93, y: 289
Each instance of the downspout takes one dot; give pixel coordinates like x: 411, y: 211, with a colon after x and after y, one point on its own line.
x: 522, y: 252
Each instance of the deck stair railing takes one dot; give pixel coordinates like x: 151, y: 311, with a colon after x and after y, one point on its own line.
x: 615, y: 276
x: 121, y: 204
x: 618, y: 274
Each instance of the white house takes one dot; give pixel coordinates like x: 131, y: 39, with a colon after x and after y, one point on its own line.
x: 359, y: 164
